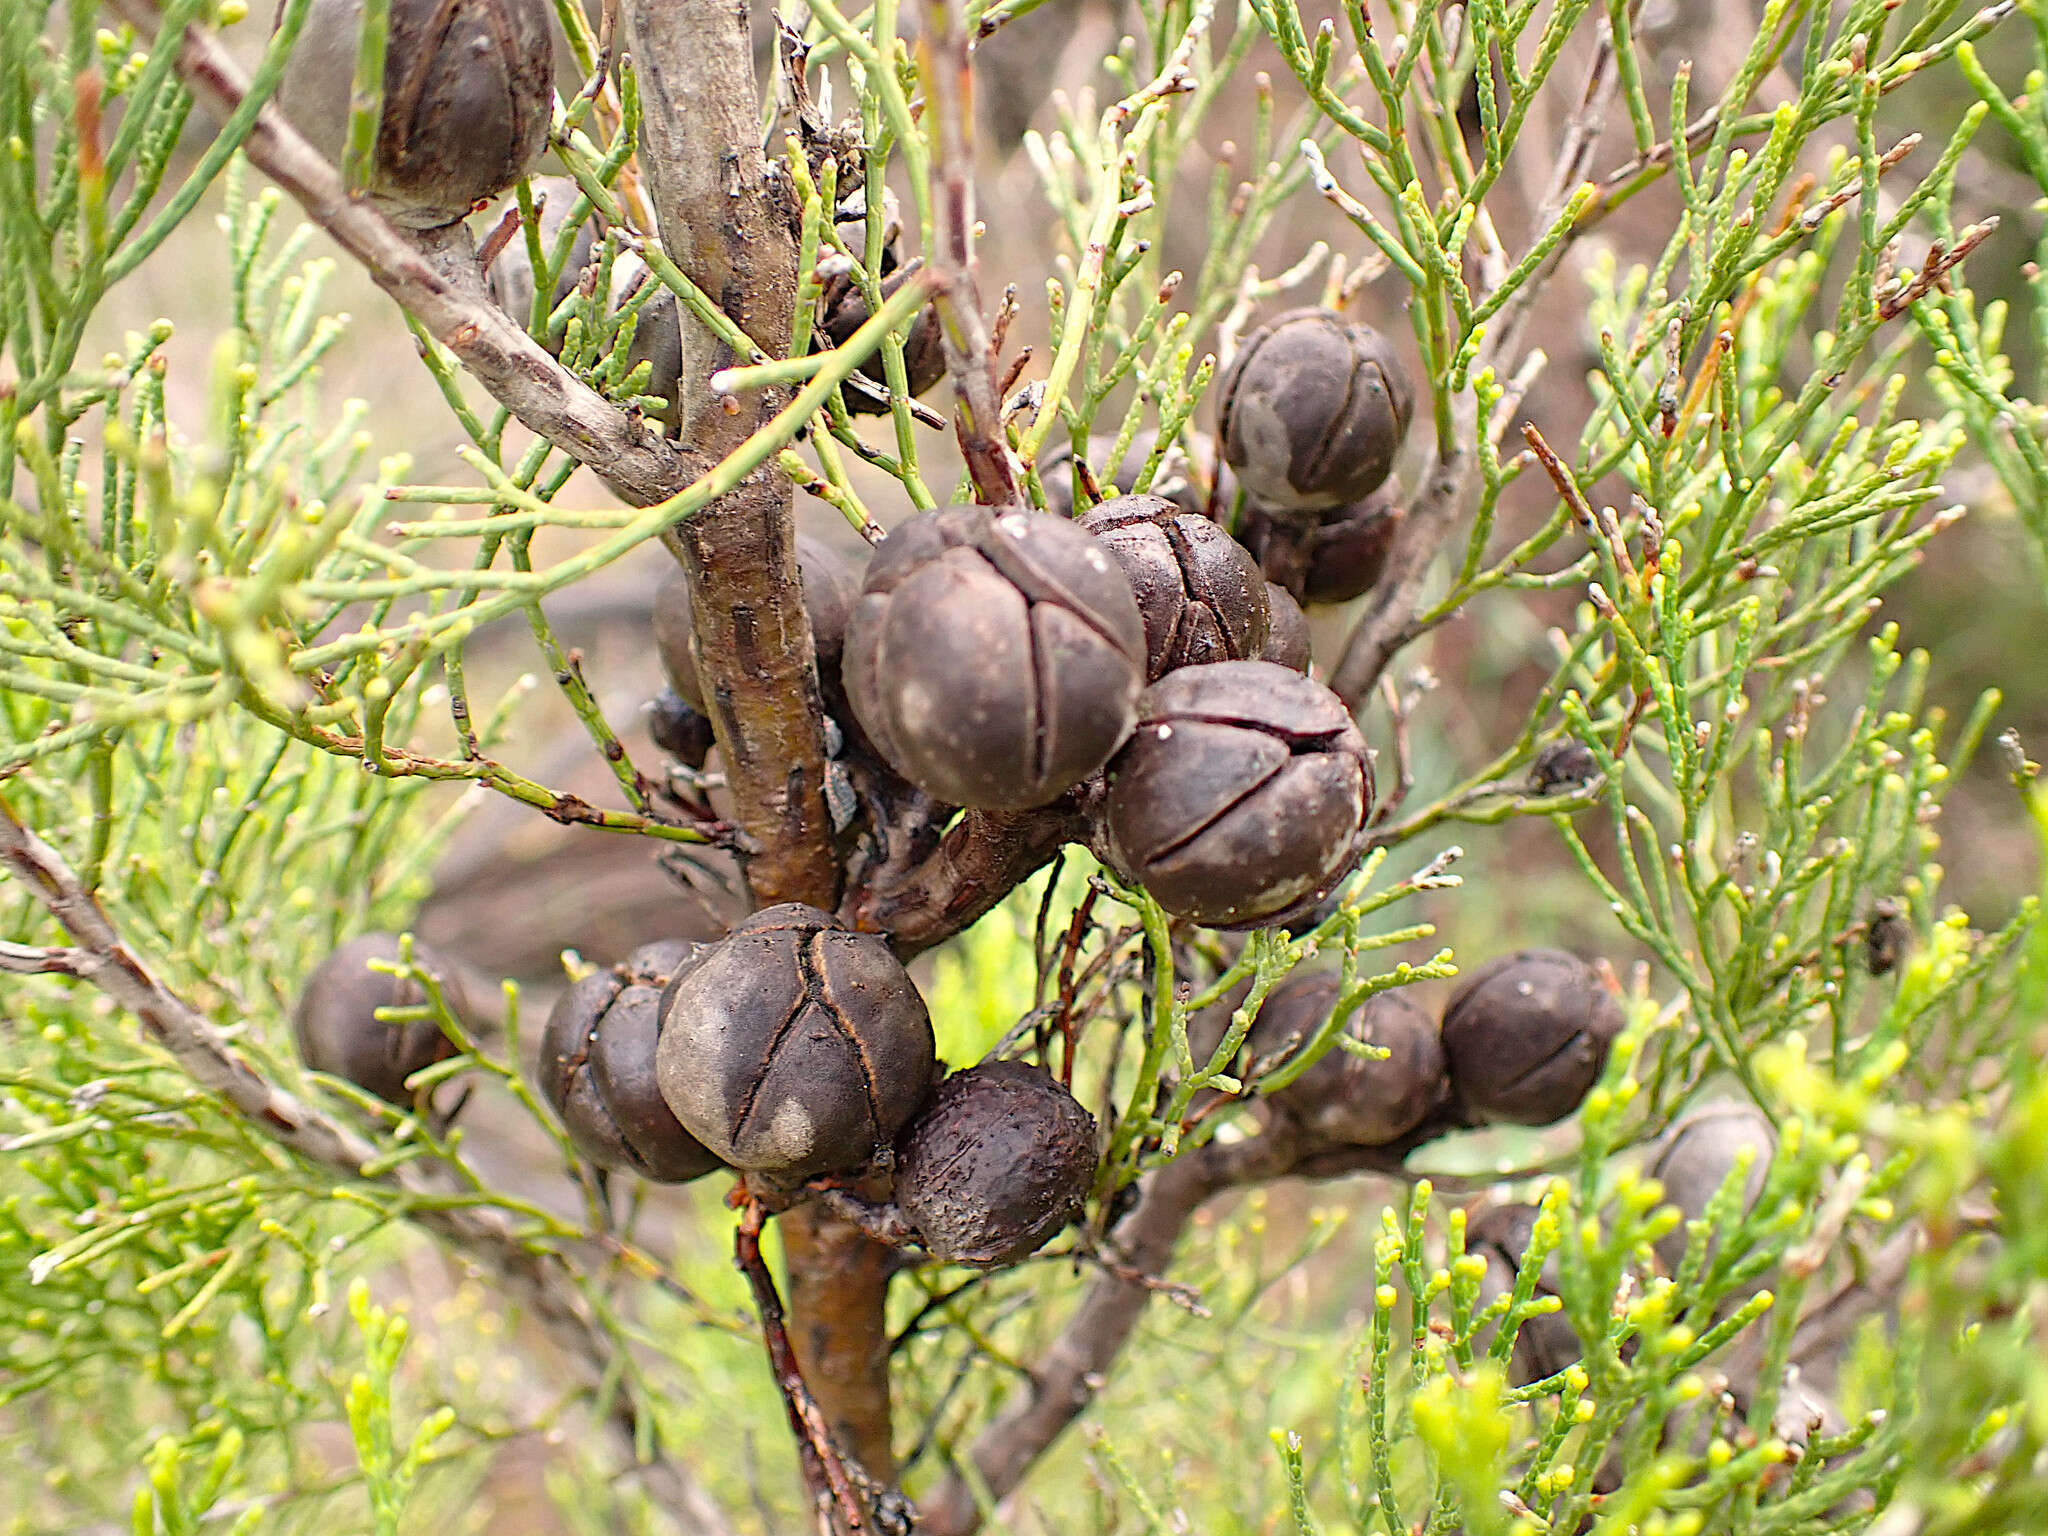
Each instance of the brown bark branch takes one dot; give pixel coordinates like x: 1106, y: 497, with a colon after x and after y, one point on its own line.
x: 727, y: 226
x: 539, y: 1281
x: 981, y: 859
x: 435, y: 278
x: 838, y: 1288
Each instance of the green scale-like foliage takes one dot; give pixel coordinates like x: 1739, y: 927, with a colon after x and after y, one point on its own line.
x: 234, y: 680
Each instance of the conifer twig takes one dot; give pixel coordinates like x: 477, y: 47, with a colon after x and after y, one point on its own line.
x: 435, y: 278
x: 825, y: 1470
x: 1384, y: 627
x: 970, y: 359
x: 484, y: 1238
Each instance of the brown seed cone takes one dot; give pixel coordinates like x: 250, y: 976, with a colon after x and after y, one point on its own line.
x: 1199, y: 591
x: 1528, y: 1035
x: 1329, y: 557
x: 793, y: 1047
x: 597, y: 1057
x: 997, y: 1164
x: 1347, y: 1099
x: 1312, y: 410
x: 336, y: 1021
x: 1544, y: 1345
x: 1244, y: 788
x: 679, y: 730
x: 1287, y: 635
x: 994, y: 660
x: 1699, y: 1152
x: 468, y: 92
x: 924, y: 349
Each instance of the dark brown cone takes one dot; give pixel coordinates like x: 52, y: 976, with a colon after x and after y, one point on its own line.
x: 924, y: 349
x: 793, y: 1047
x: 1544, y: 1345
x: 1328, y: 557
x: 1311, y: 411
x: 994, y: 660
x: 1287, y: 636
x: 468, y: 93
x: 1199, y: 591
x: 1699, y: 1152
x: 1527, y: 1036
x: 998, y: 1164
x: 597, y: 1058
x: 1244, y: 788
x: 1344, y: 1098
x: 336, y: 1021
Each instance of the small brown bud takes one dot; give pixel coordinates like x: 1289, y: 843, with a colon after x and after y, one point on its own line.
x: 1563, y: 766
x: 1886, y: 937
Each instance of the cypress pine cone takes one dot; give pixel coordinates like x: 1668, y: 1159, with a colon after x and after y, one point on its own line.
x: 597, y: 1058
x: 1199, y: 591
x: 1344, y: 1098
x: 336, y: 1021
x: 1528, y: 1035
x: 1544, y: 1345
x: 468, y: 94
x: 1287, y: 635
x: 794, y: 1047
x: 1243, y: 790
x: 1311, y: 412
x: 994, y: 660
x: 999, y: 1162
